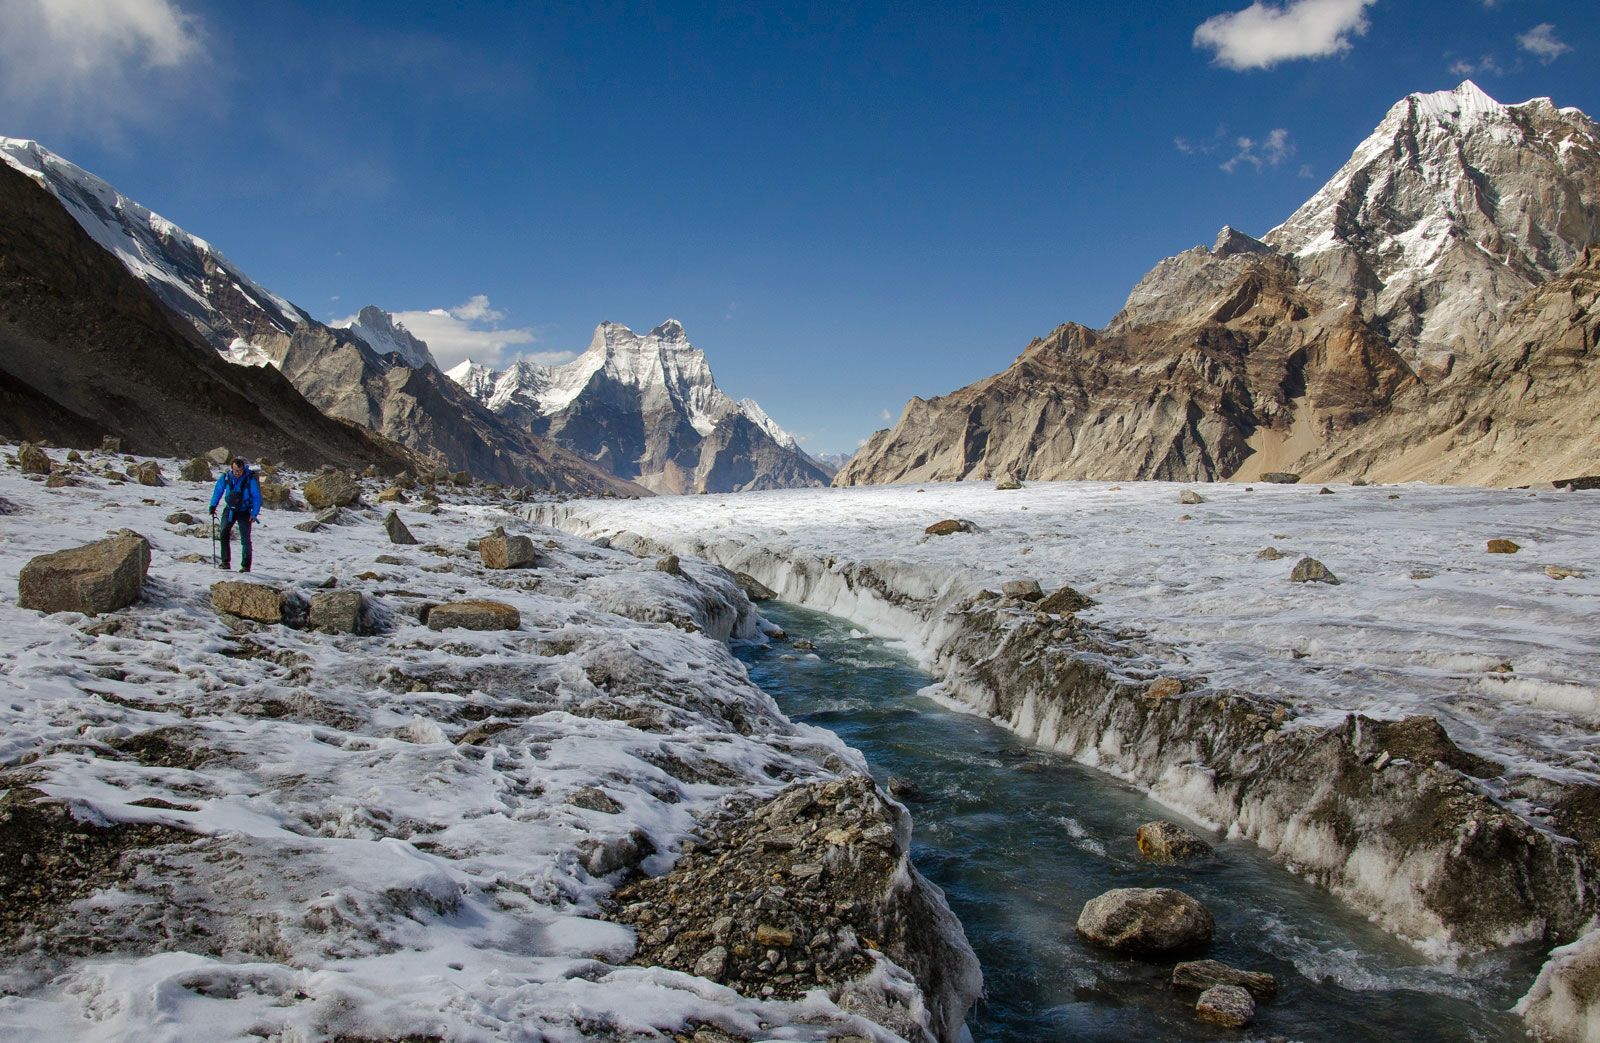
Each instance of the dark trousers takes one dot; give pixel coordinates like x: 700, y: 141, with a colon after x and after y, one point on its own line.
x: 228, y: 520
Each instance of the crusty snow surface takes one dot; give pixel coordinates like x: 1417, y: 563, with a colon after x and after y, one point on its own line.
x: 359, y: 872
x: 1424, y: 620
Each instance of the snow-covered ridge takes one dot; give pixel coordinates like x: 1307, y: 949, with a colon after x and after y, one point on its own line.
x: 408, y: 833
x: 185, y: 271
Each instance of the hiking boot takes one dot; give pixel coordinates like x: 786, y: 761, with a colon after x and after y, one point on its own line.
x: 244, y: 568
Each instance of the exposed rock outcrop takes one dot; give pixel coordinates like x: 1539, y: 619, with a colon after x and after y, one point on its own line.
x: 813, y: 889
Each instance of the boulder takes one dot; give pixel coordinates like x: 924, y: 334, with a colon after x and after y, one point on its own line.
x: 108, y: 444
x: 220, y: 456
x: 500, y: 551
x: 1064, y: 601
x: 180, y: 518
x: 1007, y: 482
x: 398, y: 533
x: 310, y: 525
x: 1147, y: 921
x: 276, y: 494
x: 60, y: 480
x: 1168, y: 843
x: 1226, y: 1005
x: 1026, y: 589
x: 670, y: 565
x: 32, y: 459
x: 753, y: 588
x: 1503, y: 547
x: 1562, y: 572
x: 338, y: 611
x: 474, y: 615
x: 1324, y: 491
x: 949, y: 527
x: 74, y: 457
x: 1189, y: 496
x: 1281, y: 478
x: 247, y: 600
x: 1203, y: 974
x: 1270, y: 554
x: 393, y: 494
x: 1163, y: 688
x: 461, y: 478
x: 1310, y: 570
x: 98, y: 577
x: 333, y: 489
x: 147, y: 473
x: 196, y: 470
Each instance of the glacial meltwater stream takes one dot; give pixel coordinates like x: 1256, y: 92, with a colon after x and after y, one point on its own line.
x: 1019, y: 839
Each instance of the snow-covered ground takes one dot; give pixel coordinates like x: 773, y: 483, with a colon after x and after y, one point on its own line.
x: 372, y: 859
x: 1424, y: 620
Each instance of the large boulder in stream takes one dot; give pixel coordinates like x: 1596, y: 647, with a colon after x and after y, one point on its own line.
x: 1146, y: 921
x: 1168, y: 843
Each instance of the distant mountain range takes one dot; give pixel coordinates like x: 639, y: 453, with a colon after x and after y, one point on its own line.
x: 648, y: 409
x: 630, y: 408
x: 1430, y: 313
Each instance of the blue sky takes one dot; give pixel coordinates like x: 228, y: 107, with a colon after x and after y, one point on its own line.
x: 846, y: 204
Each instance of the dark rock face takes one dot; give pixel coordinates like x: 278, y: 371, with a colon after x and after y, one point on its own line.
x: 1147, y: 921
x: 98, y: 577
x: 791, y: 895
x: 88, y: 352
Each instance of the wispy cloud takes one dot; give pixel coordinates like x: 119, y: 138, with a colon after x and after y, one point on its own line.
x: 1541, y: 42
x: 472, y: 330
x: 97, y: 64
x: 1263, y: 34
x: 1260, y: 153
x: 1486, y: 64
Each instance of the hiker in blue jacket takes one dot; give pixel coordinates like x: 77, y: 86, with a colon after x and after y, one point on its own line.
x: 239, y: 491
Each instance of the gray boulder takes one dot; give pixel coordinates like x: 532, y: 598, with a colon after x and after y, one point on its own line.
x: 474, y: 615
x: 1189, y: 496
x: 147, y: 473
x: 32, y: 459
x: 753, y: 588
x: 333, y: 489
x: 1280, y: 478
x: 1064, y: 601
x: 670, y: 564
x: 1226, y: 1005
x: 338, y: 611
x: 398, y: 533
x: 219, y: 456
x: 247, y: 600
x: 98, y: 577
x: 1310, y: 570
x: 500, y: 551
x: 196, y: 470
x: 1026, y: 589
x: 1147, y: 921
x: 949, y: 527
x: 1203, y: 974
x: 108, y: 444
x: 1168, y: 843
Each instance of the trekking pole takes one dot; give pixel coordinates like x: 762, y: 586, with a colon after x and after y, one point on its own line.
x: 213, y: 541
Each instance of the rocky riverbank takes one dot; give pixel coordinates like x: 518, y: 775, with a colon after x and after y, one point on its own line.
x: 1453, y: 850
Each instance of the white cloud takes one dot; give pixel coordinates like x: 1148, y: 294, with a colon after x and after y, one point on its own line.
x: 1269, y: 151
x: 95, y: 62
x: 1487, y: 63
x: 1541, y: 42
x: 1264, y: 34
x: 472, y: 330
x: 885, y: 415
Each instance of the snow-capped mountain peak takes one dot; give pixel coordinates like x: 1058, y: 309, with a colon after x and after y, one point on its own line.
x: 758, y: 416
x: 1450, y: 211
x: 385, y: 335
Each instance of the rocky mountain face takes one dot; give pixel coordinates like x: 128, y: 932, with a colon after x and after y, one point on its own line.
x: 1389, y: 304
x: 88, y: 350
x: 646, y: 408
x: 374, y: 373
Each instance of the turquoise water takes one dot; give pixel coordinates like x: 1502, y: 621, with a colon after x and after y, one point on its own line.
x: 1019, y: 839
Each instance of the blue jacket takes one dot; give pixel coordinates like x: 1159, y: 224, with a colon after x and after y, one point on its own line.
x: 246, y: 491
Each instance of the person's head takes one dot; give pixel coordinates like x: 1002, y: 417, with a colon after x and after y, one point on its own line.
x: 238, y: 466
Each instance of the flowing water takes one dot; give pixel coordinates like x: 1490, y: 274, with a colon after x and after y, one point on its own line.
x: 1019, y: 839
